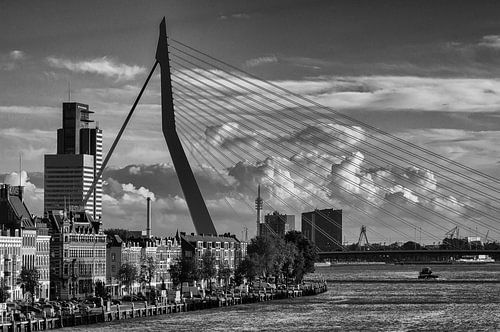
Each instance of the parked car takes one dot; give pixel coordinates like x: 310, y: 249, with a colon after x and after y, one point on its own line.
x: 88, y: 302
x: 139, y: 297
x: 19, y: 316
x: 116, y: 301
x: 49, y: 310
x: 84, y: 308
x: 30, y: 309
x: 127, y: 298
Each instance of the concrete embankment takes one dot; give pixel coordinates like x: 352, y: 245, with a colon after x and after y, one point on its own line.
x: 120, y: 312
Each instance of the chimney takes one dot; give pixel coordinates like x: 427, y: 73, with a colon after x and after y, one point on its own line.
x: 148, y: 217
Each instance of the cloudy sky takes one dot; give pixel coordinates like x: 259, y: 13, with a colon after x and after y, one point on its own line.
x: 425, y: 72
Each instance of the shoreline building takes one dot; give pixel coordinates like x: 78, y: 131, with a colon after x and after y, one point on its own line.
x: 42, y: 259
x: 77, y: 254
x: 324, y: 228
x: 10, y: 264
x: 227, y: 249
x: 31, y: 252
x: 69, y: 174
x: 277, y: 224
x: 163, y: 251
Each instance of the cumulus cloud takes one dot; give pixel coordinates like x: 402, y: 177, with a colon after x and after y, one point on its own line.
x: 492, y: 41
x: 261, y: 61
x: 231, y: 134
x: 102, y: 66
x: 125, y: 206
x: 402, y: 92
x: 9, y: 61
x: 374, y: 93
x: 17, y: 55
x: 327, y: 134
x: 234, y: 16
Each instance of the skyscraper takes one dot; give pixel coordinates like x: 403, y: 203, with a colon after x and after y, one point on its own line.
x: 277, y: 224
x: 70, y: 172
x: 324, y: 228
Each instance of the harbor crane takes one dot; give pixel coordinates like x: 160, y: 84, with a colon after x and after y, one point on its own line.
x: 453, y: 233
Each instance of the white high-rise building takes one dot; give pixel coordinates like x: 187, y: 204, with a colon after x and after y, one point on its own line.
x: 69, y: 173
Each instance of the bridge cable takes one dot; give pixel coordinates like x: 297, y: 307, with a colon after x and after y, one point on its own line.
x: 347, y: 143
x: 431, y: 211
x: 179, y: 98
x: 491, y: 178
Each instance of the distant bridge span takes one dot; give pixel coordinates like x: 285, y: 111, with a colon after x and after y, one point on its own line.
x: 404, y: 255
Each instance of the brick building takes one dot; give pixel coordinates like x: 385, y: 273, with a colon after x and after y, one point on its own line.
x: 78, y: 254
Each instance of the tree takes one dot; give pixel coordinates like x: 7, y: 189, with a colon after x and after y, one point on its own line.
x: 147, y: 272
x: 246, y: 269
x: 4, y: 291
x: 225, y: 273
x: 410, y: 245
x: 30, y: 281
x: 284, y: 259
x: 208, y: 269
x: 175, y: 272
x: 128, y: 274
x: 262, y: 252
x: 100, y: 289
x: 190, y: 269
x: 290, y: 255
x: 184, y: 270
x: 306, y: 254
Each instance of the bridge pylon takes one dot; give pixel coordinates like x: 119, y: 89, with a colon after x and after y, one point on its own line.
x: 196, y: 205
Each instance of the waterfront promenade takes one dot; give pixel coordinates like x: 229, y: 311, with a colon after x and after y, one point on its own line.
x: 135, y: 310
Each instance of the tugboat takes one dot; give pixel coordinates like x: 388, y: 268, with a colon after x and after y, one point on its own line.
x: 426, y: 273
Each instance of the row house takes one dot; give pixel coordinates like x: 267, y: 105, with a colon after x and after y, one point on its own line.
x: 163, y: 252
x: 10, y: 265
x: 227, y: 249
x: 78, y: 254
x: 168, y: 252
x: 17, y: 222
x: 42, y: 259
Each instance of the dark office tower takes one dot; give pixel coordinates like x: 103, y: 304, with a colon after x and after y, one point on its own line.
x: 70, y: 172
x: 324, y: 228
x: 76, y: 116
x: 277, y: 224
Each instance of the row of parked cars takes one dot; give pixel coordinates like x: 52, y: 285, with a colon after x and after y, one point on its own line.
x: 133, y: 298
x: 20, y: 309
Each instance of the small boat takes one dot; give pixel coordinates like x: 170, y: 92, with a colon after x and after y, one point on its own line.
x: 426, y: 273
x: 322, y: 264
x: 475, y: 259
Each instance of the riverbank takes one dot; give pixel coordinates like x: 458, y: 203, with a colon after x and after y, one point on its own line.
x: 121, y: 312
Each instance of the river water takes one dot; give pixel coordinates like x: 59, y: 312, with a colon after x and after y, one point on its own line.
x: 354, y: 306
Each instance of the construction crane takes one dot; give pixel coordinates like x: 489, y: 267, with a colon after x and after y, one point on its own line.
x: 362, y: 235
x: 453, y: 233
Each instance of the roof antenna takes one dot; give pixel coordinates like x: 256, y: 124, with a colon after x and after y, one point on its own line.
x: 69, y: 90
x: 20, y: 168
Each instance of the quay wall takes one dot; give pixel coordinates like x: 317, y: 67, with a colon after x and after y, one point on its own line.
x: 117, y: 313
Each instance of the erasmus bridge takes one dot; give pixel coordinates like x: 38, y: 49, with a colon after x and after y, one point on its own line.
x: 306, y: 155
